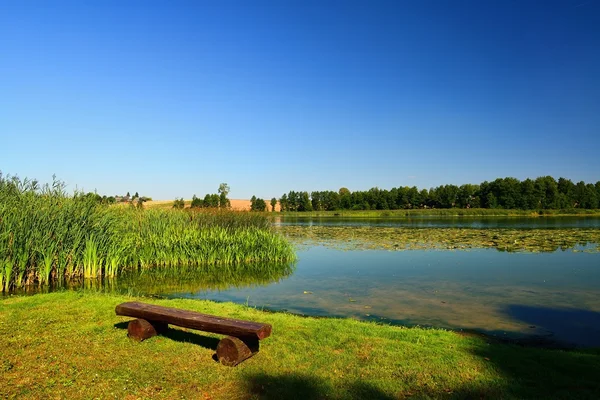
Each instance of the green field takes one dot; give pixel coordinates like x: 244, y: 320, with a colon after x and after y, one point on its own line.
x: 72, y: 346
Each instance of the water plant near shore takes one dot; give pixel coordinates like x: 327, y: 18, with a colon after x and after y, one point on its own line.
x: 387, y: 238
x: 47, y: 235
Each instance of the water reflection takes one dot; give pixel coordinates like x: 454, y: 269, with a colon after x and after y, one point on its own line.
x: 166, y: 280
x: 452, y: 289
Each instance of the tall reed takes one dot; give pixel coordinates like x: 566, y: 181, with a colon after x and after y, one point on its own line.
x: 47, y: 235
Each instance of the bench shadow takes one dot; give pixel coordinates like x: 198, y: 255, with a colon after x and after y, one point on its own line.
x: 182, y: 336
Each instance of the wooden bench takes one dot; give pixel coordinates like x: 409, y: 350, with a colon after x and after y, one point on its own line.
x: 241, y: 343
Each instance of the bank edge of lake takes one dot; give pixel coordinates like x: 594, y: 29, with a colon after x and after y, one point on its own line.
x: 71, y: 345
x: 443, y: 212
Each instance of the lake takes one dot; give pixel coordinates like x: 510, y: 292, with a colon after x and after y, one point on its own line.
x: 542, y: 297
x: 545, y: 297
x: 550, y: 297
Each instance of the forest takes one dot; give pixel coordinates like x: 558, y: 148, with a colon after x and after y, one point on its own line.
x: 543, y: 193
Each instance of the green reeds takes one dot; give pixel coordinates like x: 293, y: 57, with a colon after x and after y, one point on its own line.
x: 5, y: 274
x: 90, y: 259
x: 47, y: 235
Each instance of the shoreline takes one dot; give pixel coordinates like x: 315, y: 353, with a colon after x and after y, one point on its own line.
x: 306, y: 357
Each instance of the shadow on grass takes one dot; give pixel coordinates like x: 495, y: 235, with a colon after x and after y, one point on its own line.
x: 548, y: 366
x: 296, y: 386
x: 503, y: 369
x: 536, y: 373
x: 179, y: 335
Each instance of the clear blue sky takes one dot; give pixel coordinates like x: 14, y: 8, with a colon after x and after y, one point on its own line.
x: 171, y: 98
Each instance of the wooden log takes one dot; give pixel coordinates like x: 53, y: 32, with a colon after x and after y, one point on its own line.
x: 141, y: 329
x: 231, y: 350
x: 195, y: 320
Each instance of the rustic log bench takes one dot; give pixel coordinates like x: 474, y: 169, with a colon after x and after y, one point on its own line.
x: 242, y: 342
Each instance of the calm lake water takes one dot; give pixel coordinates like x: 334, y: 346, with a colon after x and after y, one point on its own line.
x: 549, y: 298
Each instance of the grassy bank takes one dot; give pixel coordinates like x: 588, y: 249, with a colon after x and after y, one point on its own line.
x: 71, y: 345
x: 47, y: 235
x: 444, y: 212
x: 387, y: 238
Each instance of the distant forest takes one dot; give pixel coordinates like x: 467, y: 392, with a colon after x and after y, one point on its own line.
x: 543, y: 193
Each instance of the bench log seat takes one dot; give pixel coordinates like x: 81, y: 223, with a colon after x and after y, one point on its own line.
x: 152, y: 320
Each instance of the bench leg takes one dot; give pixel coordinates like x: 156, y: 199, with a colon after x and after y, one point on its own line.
x: 140, y: 329
x: 231, y: 350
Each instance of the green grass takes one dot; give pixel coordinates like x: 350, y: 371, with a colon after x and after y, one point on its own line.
x: 444, y: 212
x: 47, y: 235
x: 387, y: 238
x: 72, y: 345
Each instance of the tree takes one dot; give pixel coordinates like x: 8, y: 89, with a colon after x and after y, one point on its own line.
x: 316, y: 199
x: 257, y: 204
x: 179, y: 203
x: 466, y: 196
x: 345, y: 198
x: 292, y: 201
x: 283, y: 203
x: 330, y: 200
x: 548, y: 190
x: 304, y: 203
x: 273, y: 204
x: 223, y: 192
x: 215, y: 200
x: 224, y: 188
x: 196, y: 202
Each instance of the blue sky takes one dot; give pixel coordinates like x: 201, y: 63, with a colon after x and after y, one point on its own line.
x: 171, y: 98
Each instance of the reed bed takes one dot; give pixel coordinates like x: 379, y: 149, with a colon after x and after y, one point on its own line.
x: 48, y: 236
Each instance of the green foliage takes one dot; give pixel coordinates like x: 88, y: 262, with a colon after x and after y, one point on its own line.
x: 224, y: 189
x: 305, y: 358
x: 196, y: 202
x: 223, y: 192
x: 273, y: 204
x: 47, y: 235
x: 283, y: 203
x: 211, y: 201
x: 179, y: 203
x: 257, y: 204
x: 214, y: 200
x: 543, y: 193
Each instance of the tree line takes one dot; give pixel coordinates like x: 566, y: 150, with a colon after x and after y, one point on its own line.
x: 543, y: 193
x: 258, y: 204
x: 214, y: 200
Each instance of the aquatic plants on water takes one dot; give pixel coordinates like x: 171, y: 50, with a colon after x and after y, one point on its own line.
x: 387, y: 238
